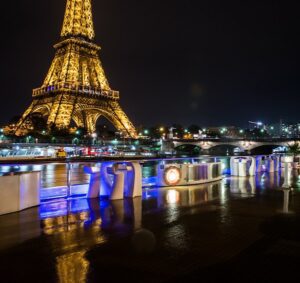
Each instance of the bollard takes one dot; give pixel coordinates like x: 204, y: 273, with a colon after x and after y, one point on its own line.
x: 94, y: 185
x: 134, y: 180
x: 118, y: 187
x: 243, y: 168
x: 287, y: 175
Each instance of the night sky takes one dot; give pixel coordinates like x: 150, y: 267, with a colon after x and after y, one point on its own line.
x: 212, y: 62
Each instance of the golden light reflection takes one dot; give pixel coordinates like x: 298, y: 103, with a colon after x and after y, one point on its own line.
x: 172, y: 197
x: 73, y: 234
x: 72, y: 268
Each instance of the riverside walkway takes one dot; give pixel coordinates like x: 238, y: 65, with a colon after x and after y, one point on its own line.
x: 219, y: 231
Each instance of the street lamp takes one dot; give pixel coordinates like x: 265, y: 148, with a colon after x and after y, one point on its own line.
x: 94, y: 136
x: 75, y: 141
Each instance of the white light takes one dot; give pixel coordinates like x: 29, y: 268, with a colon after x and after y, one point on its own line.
x: 172, y: 176
x: 172, y: 197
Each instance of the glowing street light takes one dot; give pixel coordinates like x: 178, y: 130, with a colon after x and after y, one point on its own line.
x: 146, y: 132
x: 28, y: 139
x: 94, y: 136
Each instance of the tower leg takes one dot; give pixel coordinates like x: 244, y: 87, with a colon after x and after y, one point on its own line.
x: 21, y: 128
x: 61, y: 111
x: 90, y: 122
x: 122, y: 123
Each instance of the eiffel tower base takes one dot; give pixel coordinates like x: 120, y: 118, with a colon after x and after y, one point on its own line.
x: 61, y: 110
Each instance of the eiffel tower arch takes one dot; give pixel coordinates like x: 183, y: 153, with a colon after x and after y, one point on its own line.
x: 76, y: 88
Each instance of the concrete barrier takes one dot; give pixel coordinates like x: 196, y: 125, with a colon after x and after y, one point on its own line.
x: 19, y: 191
x: 116, y: 180
x: 174, y: 174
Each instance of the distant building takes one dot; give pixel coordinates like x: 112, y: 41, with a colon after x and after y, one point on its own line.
x: 290, y: 130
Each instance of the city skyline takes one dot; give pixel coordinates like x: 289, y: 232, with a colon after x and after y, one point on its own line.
x: 186, y: 62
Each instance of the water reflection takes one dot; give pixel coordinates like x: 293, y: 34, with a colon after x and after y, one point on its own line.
x: 188, y: 195
x: 249, y: 186
x: 72, y: 268
x: 73, y: 227
x: 286, y: 199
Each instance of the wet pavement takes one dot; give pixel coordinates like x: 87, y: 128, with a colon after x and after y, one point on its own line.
x: 239, y: 229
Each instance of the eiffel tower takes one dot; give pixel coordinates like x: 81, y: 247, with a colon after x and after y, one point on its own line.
x: 76, y: 88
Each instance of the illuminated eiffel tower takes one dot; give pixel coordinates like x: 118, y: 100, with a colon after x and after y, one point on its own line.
x: 75, y: 88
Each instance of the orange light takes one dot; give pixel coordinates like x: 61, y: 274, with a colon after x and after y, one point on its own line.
x: 172, y: 176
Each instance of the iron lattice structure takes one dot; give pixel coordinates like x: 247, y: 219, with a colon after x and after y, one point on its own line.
x: 76, y: 88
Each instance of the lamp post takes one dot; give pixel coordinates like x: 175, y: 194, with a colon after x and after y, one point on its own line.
x: 94, y: 136
x: 123, y: 136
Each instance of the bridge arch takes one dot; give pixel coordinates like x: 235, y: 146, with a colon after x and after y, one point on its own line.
x: 266, y: 148
x: 188, y: 148
x: 224, y: 148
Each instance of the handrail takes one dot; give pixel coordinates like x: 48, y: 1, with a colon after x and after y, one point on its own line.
x: 76, y: 88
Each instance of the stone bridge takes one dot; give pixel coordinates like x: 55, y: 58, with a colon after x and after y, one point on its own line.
x: 242, y: 144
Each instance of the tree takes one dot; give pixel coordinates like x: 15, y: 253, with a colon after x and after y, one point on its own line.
x: 294, y: 149
x: 194, y: 129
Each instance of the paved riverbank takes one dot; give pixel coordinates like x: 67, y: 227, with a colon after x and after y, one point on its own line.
x: 235, y: 236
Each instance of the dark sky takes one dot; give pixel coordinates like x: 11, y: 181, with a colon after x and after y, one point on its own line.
x: 207, y: 62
